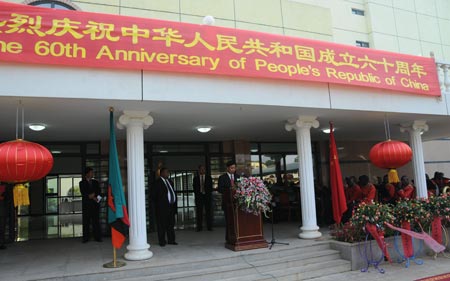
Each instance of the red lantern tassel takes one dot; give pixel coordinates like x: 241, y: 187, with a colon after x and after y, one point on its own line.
x: 393, y: 176
x: 408, y: 249
x: 436, y: 229
x: 21, y: 197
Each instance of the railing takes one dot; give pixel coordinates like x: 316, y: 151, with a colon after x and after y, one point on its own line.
x: 444, y: 75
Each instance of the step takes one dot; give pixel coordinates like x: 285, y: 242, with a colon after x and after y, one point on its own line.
x: 311, y: 271
x: 281, y: 259
x: 299, y: 259
x: 208, y: 274
x: 262, y: 266
x: 283, y: 251
x: 299, y: 273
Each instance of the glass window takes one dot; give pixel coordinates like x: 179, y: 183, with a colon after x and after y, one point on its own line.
x: 256, y: 166
x: 214, y: 148
x: 358, y: 12
x: 271, y: 168
x: 292, y: 168
x: 93, y: 148
x: 53, y: 4
x: 63, y: 194
x: 63, y: 148
x: 177, y: 148
x: 66, y: 187
x: 52, y: 205
x: 362, y: 44
x: 278, y: 147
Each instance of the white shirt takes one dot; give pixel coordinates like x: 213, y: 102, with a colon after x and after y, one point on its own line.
x: 170, y: 191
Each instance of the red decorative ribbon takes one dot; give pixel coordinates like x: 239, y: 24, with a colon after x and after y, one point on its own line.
x: 429, y: 241
x: 436, y: 229
x: 372, y: 229
x: 408, y: 249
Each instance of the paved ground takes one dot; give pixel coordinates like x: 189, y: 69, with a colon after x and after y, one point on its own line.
x: 41, y: 259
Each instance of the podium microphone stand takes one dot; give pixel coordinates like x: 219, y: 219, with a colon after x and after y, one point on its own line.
x: 273, y: 241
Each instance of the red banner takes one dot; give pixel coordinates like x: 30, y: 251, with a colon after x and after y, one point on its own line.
x: 436, y: 229
x: 407, y: 243
x: 47, y: 36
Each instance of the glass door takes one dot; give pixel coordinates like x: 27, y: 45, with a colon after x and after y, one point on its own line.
x: 63, y: 206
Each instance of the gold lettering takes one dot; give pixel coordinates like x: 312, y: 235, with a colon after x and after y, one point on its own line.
x: 10, y: 47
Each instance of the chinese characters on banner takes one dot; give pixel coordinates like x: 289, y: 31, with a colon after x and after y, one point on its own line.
x: 47, y: 36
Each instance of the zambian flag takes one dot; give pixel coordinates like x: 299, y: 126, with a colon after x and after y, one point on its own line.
x: 117, y: 206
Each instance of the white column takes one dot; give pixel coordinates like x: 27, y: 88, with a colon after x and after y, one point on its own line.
x: 135, y: 122
x: 415, y: 141
x: 302, y: 127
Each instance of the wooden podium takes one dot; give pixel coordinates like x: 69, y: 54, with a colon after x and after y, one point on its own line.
x: 245, y: 231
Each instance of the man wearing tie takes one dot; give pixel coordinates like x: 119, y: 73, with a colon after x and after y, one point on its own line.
x: 202, y: 190
x: 90, y: 192
x: 227, y: 182
x: 166, y: 208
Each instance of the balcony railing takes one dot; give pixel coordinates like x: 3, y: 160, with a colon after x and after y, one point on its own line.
x: 443, y: 70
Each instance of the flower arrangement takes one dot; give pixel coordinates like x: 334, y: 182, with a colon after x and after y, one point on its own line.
x: 375, y: 213
x: 437, y: 206
x: 252, y: 196
x: 411, y: 211
x: 416, y: 211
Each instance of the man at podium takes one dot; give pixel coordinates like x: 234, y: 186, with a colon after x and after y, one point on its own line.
x: 227, y: 182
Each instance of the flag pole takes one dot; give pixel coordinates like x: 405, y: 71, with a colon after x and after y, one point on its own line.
x: 114, y: 263
x: 114, y: 257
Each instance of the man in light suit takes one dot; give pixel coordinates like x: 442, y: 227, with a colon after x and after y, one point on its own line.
x: 203, y: 189
x: 227, y: 182
x: 165, y: 200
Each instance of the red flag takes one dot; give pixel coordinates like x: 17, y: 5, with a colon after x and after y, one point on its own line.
x: 337, y: 187
x: 119, y: 226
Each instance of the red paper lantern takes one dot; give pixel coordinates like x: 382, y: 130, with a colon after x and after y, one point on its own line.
x: 390, y: 154
x: 22, y: 161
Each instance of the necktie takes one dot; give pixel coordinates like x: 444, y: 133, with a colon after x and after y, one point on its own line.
x: 232, y: 180
x: 171, y: 193
x: 202, y: 184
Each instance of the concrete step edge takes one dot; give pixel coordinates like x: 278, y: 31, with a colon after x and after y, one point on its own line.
x: 309, y: 267
x: 300, y: 256
x: 269, y: 276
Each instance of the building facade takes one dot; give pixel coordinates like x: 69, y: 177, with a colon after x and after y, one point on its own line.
x: 271, y: 127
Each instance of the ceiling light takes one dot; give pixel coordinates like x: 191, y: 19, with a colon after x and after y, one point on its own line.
x: 204, y: 129
x: 163, y: 151
x: 37, y: 127
x: 327, y: 131
x: 56, y: 151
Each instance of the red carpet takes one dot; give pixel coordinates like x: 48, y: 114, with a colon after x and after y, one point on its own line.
x: 441, y: 277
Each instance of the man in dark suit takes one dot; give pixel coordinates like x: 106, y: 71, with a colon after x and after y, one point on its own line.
x: 166, y: 208
x: 227, y: 182
x: 90, y: 192
x: 203, y: 190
